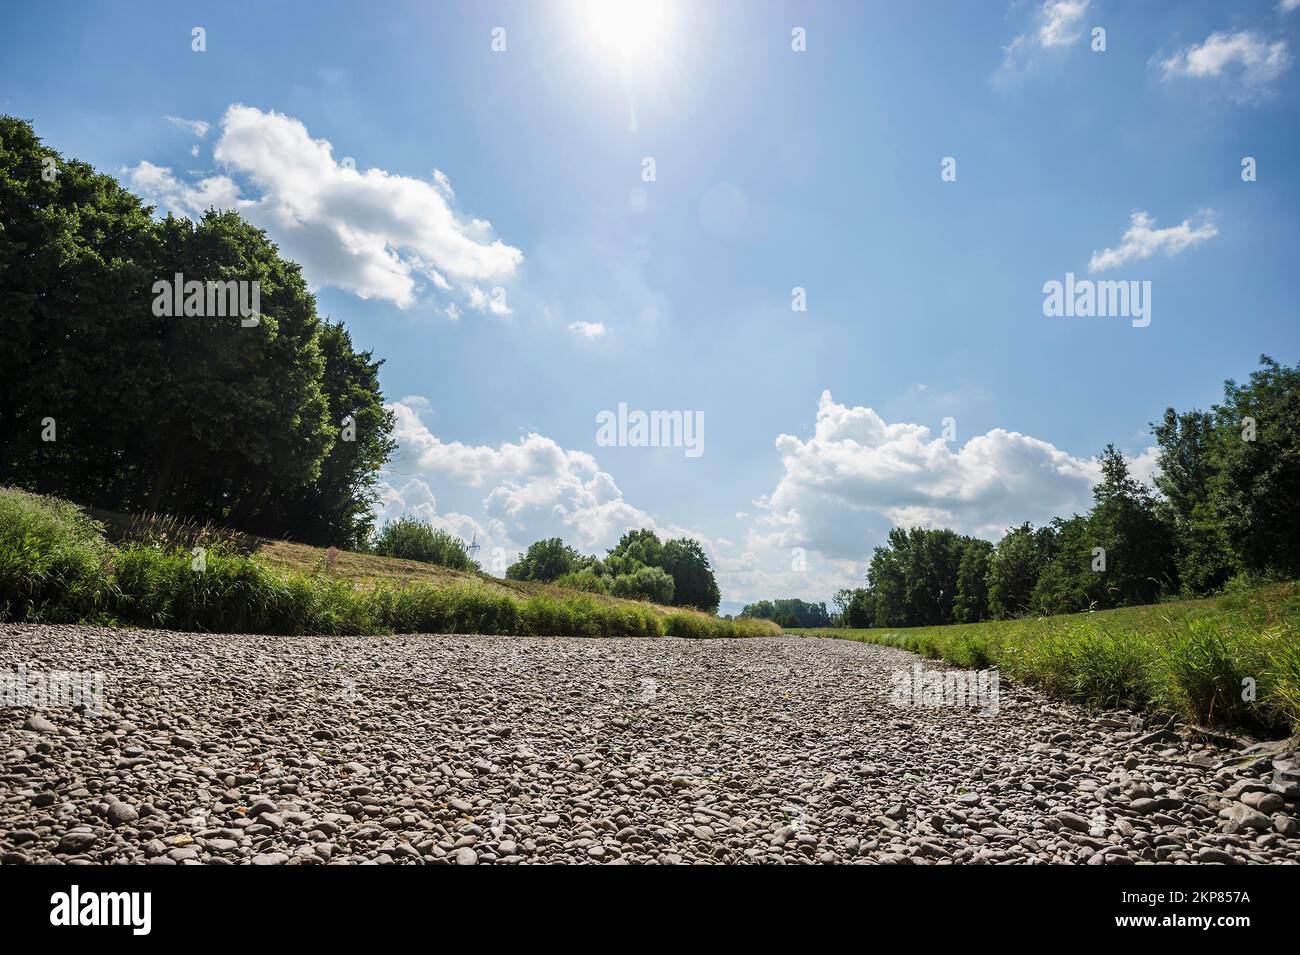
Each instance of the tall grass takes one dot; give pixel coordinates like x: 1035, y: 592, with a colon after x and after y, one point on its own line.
x: 1232, y: 661
x: 53, y: 560
x: 56, y: 567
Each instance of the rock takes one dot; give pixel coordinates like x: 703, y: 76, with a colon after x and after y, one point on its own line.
x: 1265, y: 802
x: 1215, y: 856
x: 121, y: 813
x: 1241, y: 816
x: 76, y: 842
x: 465, y: 856
x: 1243, y: 786
x: 1072, y: 820
x: 39, y: 724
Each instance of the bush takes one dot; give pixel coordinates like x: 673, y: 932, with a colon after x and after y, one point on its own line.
x: 644, y: 583
x: 413, y: 539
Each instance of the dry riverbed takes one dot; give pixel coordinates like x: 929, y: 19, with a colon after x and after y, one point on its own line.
x: 449, y: 749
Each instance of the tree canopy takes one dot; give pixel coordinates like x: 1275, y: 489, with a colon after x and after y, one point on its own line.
x: 224, y: 417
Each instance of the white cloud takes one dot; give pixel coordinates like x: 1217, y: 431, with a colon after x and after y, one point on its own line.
x: 1061, y: 21
x: 588, y: 329
x: 1247, y: 59
x: 1143, y: 240
x: 535, y: 488
x: 373, y: 233
x: 197, y: 127
x: 840, y: 492
x: 159, y: 185
x: 843, y: 488
x: 1287, y: 6
x: 1059, y: 24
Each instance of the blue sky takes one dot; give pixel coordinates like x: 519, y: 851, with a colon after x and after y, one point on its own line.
x: 774, y: 169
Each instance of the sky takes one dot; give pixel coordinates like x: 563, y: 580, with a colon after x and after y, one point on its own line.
x: 822, y: 232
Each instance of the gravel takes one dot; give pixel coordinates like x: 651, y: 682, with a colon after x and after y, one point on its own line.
x: 497, y: 750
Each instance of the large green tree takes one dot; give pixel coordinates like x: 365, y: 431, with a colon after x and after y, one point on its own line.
x: 1136, y: 557
x: 693, y: 582
x: 1014, y: 567
x: 972, y: 601
x: 107, y: 400
x: 1255, y: 489
x: 547, y: 560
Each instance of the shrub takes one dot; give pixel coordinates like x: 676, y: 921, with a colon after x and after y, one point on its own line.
x: 412, y: 539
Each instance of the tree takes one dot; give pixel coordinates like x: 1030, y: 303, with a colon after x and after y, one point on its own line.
x: 853, y: 608
x: 77, y: 255
x: 1188, y: 475
x: 639, y: 546
x: 1067, y: 582
x: 546, y: 560
x: 972, y: 601
x: 215, y: 417
x: 1136, y: 546
x: 789, y: 612
x: 887, y: 581
x: 338, y: 507
x: 693, y: 582
x: 1255, y: 488
x: 1014, y: 567
x: 913, y: 577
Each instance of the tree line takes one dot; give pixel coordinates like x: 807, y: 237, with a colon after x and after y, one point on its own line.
x: 789, y: 612
x: 639, y: 567
x: 1225, y: 507
x: 275, y: 426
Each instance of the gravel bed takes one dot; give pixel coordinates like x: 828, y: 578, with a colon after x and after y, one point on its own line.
x: 225, y: 749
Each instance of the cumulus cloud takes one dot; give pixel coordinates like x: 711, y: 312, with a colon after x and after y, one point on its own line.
x: 1246, y: 59
x: 587, y: 329
x: 839, y: 493
x: 373, y: 233
x: 842, y: 489
x: 1143, y: 240
x: 532, y: 488
x: 160, y: 186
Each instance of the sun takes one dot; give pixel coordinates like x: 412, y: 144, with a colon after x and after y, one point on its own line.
x: 630, y: 32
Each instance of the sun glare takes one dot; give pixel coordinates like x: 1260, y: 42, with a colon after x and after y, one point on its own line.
x: 628, y: 31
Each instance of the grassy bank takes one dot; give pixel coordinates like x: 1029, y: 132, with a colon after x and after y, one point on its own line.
x: 1201, y: 659
x: 58, y: 566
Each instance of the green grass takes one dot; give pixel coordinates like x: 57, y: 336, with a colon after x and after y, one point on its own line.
x: 1199, y: 659
x: 57, y: 567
